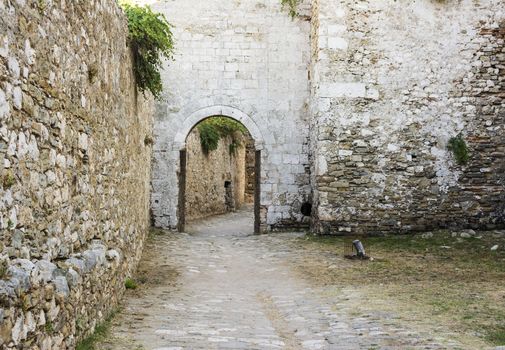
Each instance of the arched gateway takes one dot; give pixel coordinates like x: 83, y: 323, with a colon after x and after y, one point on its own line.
x: 180, y: 143
x: 250, y: 63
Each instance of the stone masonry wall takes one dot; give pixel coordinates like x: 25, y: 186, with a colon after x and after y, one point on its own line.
x: 242, y: 56
x: 250, y: 171
x: 74, y: 169
x: 206, y: 176
x: 392, y: 82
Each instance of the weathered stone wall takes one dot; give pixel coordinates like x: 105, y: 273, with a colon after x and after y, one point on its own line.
x: 250, y: 171
x: 247, y: 60
x: 392, y: 82
x: 206, y: 175
x: 74, y: 169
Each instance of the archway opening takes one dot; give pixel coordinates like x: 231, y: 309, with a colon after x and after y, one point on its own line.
x: 220, y: 170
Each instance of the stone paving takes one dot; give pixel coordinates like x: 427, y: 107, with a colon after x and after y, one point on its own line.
x: 234, y: 290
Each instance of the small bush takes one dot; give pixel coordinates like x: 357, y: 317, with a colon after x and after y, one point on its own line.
x: 458, y: 147
x: 130, y: 284
x: 151, y: 39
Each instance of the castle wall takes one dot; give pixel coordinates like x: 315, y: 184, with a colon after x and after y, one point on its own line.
x: 75, y: 161
x: 392, y: 82
x: 251, y: 57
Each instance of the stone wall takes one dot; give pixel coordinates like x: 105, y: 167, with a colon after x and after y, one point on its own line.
x: 250, y: 171
x: 392, y: 82
x: 74, y: 169
x: 206, y: 175
x: 247, y: 60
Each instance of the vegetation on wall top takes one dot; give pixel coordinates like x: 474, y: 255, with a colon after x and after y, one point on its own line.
x: 151, y: 39
x: 458, y: 147
x: 292, y: 6
x: 213, y: 129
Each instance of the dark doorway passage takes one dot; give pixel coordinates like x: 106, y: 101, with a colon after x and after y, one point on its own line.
x: 219, y: 172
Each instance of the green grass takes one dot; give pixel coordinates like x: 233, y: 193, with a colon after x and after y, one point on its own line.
x: 130, y: 284
x: 497, y: 337
x: 101, y: 331
x: 49, y: 327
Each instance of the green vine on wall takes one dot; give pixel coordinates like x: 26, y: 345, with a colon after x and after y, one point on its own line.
x: 215, y: 128
x: 458, y: 147
x: 151, y: 39
x: 292, y: 6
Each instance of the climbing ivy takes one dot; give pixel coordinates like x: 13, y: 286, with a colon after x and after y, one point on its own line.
x: 151, y: 39
x: 458, y: 147
x: 292, y: 6
x: 213, y: 129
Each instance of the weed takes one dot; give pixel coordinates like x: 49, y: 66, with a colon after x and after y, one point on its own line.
x: 8, y: 180
x: 42, y: 5
x: 130, y: 284
x: 497, y: 337
x: 100, y: 333
x: 3, y: 269
x: 458, y: 147
x: 49, y: 327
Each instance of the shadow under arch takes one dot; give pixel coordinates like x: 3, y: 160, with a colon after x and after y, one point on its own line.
x: 180, y: 143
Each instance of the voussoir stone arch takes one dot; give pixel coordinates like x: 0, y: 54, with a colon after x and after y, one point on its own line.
x: 196, y: 117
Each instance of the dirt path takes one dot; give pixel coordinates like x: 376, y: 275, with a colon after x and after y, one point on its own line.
x: 220, y: 287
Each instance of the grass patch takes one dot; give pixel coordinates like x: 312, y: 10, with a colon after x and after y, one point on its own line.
x: 497, y: 337
x: 443, y: 280
x: 49, y: 327
x: 130, y: 284
x: 100, y: 333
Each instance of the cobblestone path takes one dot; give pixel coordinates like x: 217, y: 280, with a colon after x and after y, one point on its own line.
x: 222, y: 288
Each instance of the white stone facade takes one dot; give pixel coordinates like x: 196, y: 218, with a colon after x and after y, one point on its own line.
x: 361, y: 98
x: 247, y: 60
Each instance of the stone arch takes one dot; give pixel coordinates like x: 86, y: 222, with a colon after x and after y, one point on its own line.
x: 196, y: 117
x: 180, y: 145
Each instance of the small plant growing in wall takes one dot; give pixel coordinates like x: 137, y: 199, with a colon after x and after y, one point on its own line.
x: 459, y: 149
x: 151, y: 39
x: 292, y: 6
x: 3, y: 269
x: 234, y: 145
x: 8, y: 180
x: 49, y: 327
